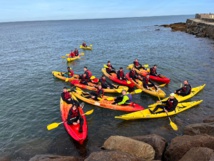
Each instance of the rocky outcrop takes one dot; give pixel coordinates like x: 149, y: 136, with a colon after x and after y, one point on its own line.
x: 111, y: 155
x: 177, y: 26
x: 55, y: 158
x: 198, y: 153
x: 200, y: 128
x: 181, y: 144
x: 156, y: 141
x: 133, y: 147
x: 209, y: 119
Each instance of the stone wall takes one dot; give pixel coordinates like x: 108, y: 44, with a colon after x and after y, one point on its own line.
x: 206, y: 17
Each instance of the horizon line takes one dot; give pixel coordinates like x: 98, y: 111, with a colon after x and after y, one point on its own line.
x: 90, y: 18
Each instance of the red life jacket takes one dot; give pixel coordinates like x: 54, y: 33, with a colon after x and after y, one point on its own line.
x: 146, y: 81
x: 154, y: 70
x: 136, y: 63
x: 67, y: 95
x: 75, y: 113
x: 76, y: 52
x: 121, y: 74
x: 72, y: 54
x: 71, y: 73
x: 89, y: 73
x: 100, y: 92
x: 170, y: 103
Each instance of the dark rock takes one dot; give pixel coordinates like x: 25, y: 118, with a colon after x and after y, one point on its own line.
x: 198, y: 153
x: 176, y: 26
x: 209, y: 119
x: 200, y: 128
x: 54, y: 158
x: 181, y: 144
x: 156, y: 141
x: 212, y: 158
x: 136, y: 148
x: 5, y: 158
x: 111, y: 155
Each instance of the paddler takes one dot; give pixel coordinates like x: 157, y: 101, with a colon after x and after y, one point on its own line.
x: 74, y: 117
x: 120, y: 74
x: 153, y: 71
x: 72, y: 54
x: 66, y: 97
x: 137, y: 65
x: 84, y: 79
x: 168, y: 105
x: 110, y: 69
x: 105, y: 84
x: 76, y: 52
x: 185, y: 90
x: 87, y: 72
x: 84, y: 44
x: 95, y: 95
x: 134, y: 75
x: 147, y: 83
x: 123, y: 99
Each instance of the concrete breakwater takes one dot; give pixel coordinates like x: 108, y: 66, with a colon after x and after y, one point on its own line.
x: 201, y: 26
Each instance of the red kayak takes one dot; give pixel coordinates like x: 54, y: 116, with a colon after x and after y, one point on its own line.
x: 161, y: 79
x: 73, y: 130
x: 114, y: 78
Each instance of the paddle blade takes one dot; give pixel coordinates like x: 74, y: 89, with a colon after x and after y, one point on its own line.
x: 146, y: 65
x: 162, y: 85
x: 110, y: 98
x: 105, y: 66
x: 53, y: 126
x: 128, y: 82
x: 89, y: 112
x: 174, y: 126
x: 67, y: 54
x: 66, y: 80
x: 82, y: 54
x: 137, y: 90
x: 63, y: 57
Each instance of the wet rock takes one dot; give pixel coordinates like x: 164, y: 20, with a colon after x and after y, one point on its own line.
x: 198, y: 153
x: 156, y: 141
x: 133, y: 147
x: 200, y: 128
x: 181, y: 144
x: 5, y: 158
x: 111, y: 155
x: 180, y: 26
x: 209, y: 119
x: 54, y: 158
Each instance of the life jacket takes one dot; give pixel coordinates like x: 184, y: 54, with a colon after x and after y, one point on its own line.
x: 72, y: 54
x: 136, y: 63
x: 146, y: 80
x: 153, y: 71
x: 88, y: 73
x: 121, y: 73
x: 75, y: 113
x: 102, y: 80
x: 100, y: 92
x: 184, y: 88
x: 71, y: 73
x: 67, y: 95
x: 76, y: 52
x: 170, y: 103
x: 132, y: 74
x: 130, y: 98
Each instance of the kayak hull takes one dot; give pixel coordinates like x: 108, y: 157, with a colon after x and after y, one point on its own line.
x: 91, y: 86
x: 107, y: 104
x: 159, y: 93
x: 72, y: 59
x: 194, y: 91
x: 73, y: 130
x: 145, y: 114
x: 86, y: 48
x: 60, y: 76
x: 114, y: 78
x: 145, y: 72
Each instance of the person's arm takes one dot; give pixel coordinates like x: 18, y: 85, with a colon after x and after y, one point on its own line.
x: 175, y: 102
x: 125, y: 98
x: 118, y: 74
x: 188, y: 89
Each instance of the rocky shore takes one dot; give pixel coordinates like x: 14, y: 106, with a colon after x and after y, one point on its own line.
x: 201, y: 26
x: 196, y: 144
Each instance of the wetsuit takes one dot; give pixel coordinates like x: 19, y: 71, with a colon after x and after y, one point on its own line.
x: 110, y: 69
x: 120, y: 74
x: 169, y: 105
x: 123, y: 100
x: 137, y: 65
x: 146, y: 83
x: 185, y: 90
x: 153, y: 71
x: 106, y: 84
x: 74, y: 116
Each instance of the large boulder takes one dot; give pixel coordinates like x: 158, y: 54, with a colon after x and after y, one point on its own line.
x: 198, y: 153
x: 111, y: 155
x: 156, y: 141
x: 181, y: 144
x: 200, y: 128
x: 136, y: 148
x: 209, y: 119
x: 54, y: 158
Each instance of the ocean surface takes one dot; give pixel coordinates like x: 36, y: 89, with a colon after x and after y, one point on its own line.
x: 29, y: 97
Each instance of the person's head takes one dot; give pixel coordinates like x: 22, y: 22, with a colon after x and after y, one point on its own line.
x: 132, y: 68
x: 65, y: 89
x: 84, y: 75
x: 172, y: 96
x: 186, y: 82
x: 74, y: 106
x: 99, y: 86
x: 69, y: 68
x: 85, y: 68
x: 108, y: 62
x: 155, y: 66
x: 136, y: 60
x: 103, y: 77
x: 147, y: 76
x: 121, y: 68
x: 123, y: 92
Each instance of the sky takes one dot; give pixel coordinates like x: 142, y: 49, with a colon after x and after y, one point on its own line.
x: 27, y: 10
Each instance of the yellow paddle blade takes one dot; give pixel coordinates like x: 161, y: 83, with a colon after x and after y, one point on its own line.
x: 78, y: 89
x: 110, y: 98
x: 82, y: 54
x: 63, y: 57
x: 162, y: 85
x: 92, y: 77
x: 66, y: 80
x: 105, y: 66
x: 138, y: 90
x: 146, y: 65
x: 67, y: 54
x: 174, y: 126
x: 89, y: 112
x: 119, y: 90
x: 91, y: 45
x: 53, y: 125
x: 128, y: 82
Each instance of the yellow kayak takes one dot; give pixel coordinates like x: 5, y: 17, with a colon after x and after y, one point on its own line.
x: 60, y: 75
x: 158, y: 93
x: 86, y: 48
x: 72, y: 59
x: 146, y: 114
x: 194, y: 91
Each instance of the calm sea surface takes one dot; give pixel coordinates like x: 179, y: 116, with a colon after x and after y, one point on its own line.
x: 29, y: 98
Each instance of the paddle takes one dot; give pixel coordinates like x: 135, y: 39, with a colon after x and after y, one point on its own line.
x: 66, y: 56
x: 172, y: 124
x: 56, y: 124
